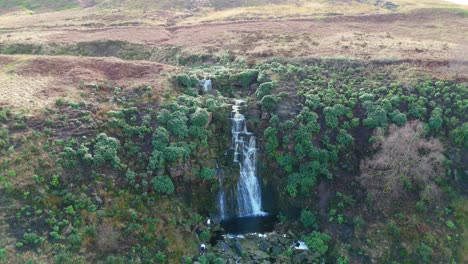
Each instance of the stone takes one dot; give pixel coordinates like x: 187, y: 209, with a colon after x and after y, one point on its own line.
x: 260, y: 255
x: 303, y: 257
x: 264, y: 246
x: 238, y: 247
x: 275, y: 250
x: 226, y: 248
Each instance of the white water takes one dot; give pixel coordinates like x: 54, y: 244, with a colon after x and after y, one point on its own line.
x: 244, y: 144
x: 206, y: 83
x: 221, y: 196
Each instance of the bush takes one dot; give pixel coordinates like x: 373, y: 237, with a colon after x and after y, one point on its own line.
x: 318, y: 242
x: 160, y: 138
x: 187, y: 81
x: 265, y: 89
x: 245, y: 78
x: 436, y: 121
x: 271, y: 138
x: 405, y: 159
x: 269, y: 103
x: 460, y: 135
x: 177, y: 124
x: 308, y: 219
x: 106, y: 149
x: 207, y: 174
x: 157, y: 160
x: 398, y: 118
x: 199, y: 118
x: 163, y: 184
x: 176, y: 153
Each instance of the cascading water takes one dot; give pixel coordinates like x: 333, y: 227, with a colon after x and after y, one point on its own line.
x: 249, y: 198
x: 221, y: 195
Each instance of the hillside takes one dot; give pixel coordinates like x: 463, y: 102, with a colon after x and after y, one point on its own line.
x: 126, y: 125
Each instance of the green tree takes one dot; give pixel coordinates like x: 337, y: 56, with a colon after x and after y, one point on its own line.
x: 105, y: 150
x: 317, y: 242
x: 163, y: 184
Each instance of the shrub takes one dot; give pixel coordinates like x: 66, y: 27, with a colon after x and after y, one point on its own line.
x: 207, y: 174
x: 317, y: 242
x: 187, y: 81
x: 174, y: 153
x: 269, y: 103
x: 177, y: 124
x: 265, y: 89
x: 157, y: 160
x: 106, y: 149
x: 271, y: 140
x: 436, y: 121
x: 376, y: 117
x: 331, y: 116
x: 205, y: 235
x: 405, y: 159
x: 460, y: 135
x: 450, y: 225
x: 163, y: 184
x: 344, y: 139
x: 398, y: 118
x: 245, y: 78
x: 308, y: 219
x: 160, y: 138
x: 199, y: 118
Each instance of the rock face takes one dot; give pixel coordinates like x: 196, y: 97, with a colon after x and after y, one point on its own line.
x: 252, y: 248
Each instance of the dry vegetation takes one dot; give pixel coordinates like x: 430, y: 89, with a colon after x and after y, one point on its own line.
x: 405, y: 166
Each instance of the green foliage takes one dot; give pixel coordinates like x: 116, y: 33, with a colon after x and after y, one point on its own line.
x: 344, y: 139
x: 199, y: 118
x: 187, y: 81
x: 177, y: 124
x: 160, y: 138
x: 176, y: 152
x: 245, y: 78
x: 308, y: 219
x: 317, y: 242
x: 105, y: 150
x: 450, y: 225
x: 425, y: 253
x: 269, y: 103
x: 436, y: 121
x: 2, y: 254
x: 157, y: 160
x: 264, y: 89
x: 4, y: 138
x: 205, y: 235
x: 398, y: 118
x: 207, y: 174
x: 376, y: 117
x: 163, y: 184
x: 271, y: 138
x: 460, y: 135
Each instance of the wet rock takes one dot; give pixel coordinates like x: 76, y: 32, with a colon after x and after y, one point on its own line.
x: 238, y: 247
x: 264, y: 246
x: 260, y: 255
x: 302, y: 258
x: 225, y: 247
x: 275, y: 250
x: 98, y: 199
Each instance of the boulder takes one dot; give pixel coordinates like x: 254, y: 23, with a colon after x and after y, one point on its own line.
x: 260, y: 255
x: 238, y: 247
x: 264, y: 246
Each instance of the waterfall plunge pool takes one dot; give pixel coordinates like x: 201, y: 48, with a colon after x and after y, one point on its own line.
x: 249, y: 224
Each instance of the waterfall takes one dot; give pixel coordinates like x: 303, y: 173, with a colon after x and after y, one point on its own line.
x: 249, y: 198
x: 221, y: 195
x: 206, y: 84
